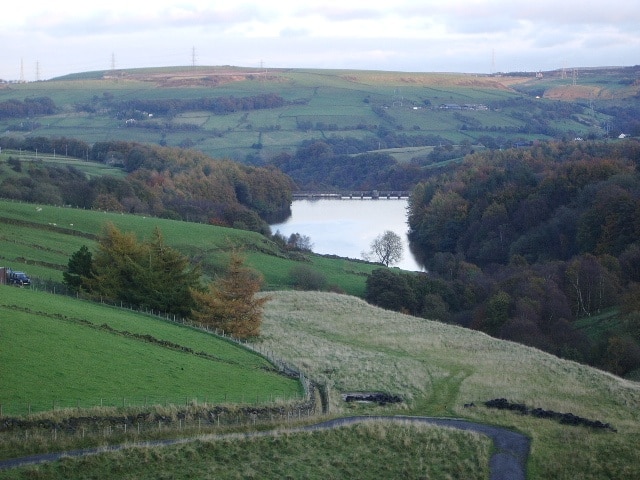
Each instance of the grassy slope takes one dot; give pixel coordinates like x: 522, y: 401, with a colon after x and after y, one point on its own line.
x: 438, y: 368
x: 354, y: 346
x: 48, y: 236
x: 370, y: 451
x: 341, y: 98
x: 56, y: 349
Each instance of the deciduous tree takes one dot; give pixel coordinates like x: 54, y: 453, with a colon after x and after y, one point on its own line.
x: 230, y: 304
x: 386, y: 248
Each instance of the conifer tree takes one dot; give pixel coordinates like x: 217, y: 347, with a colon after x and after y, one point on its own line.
x: 79, y: 269
x: 146, y: 274
x: 231, y: 304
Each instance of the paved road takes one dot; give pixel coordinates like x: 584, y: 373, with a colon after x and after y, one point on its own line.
x: 508, y: 461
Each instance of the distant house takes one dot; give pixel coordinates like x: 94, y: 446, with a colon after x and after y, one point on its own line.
x: 466, y: 106
x: 622, y: 135
x: 450, y: 106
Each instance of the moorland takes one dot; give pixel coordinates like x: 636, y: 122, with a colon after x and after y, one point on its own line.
x: 226, y: 147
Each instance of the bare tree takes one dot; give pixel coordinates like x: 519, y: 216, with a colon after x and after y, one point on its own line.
x: 385, y: 248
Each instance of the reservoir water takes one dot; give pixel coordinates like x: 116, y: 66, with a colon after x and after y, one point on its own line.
x: 347, y: 227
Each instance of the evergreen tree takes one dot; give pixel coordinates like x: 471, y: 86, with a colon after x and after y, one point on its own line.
x: 79, y: 269
x: 144, y: 274
x: 166, y: 278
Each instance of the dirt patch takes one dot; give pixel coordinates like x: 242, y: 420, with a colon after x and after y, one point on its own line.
x: 573, y: 92
x: 210, y: 77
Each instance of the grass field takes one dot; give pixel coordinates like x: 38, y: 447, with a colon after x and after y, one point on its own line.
x: 373, y: 450
x: 40, y: 239
x: 340, y: 98
x: 64, y: 353
x: 438, y: 368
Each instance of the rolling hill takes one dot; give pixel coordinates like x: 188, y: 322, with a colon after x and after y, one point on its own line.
x: 317, y: 104
x: 336, y: 339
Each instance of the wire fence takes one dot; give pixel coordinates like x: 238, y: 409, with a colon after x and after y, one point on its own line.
x: 285, y: 368
x: 175, y: 401
x: 150, y: 425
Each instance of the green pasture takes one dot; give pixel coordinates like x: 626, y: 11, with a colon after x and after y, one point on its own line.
x: 40, y: 239
x: 90, y: 168
x: 333, y: 97
x: 57, y: 354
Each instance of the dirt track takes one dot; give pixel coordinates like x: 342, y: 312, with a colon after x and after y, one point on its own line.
x: 508, y: 461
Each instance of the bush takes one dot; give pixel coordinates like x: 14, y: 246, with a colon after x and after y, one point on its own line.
x: 306, y: 278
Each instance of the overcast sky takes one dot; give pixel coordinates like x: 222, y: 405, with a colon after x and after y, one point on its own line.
x: 45, y: 39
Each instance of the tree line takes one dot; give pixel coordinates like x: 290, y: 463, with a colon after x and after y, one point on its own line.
x: 168, y: 107
x: 14, y: 108
x: 316, y: 166
x: 152, y: 276
x: 161, y: 181
x: 525, y: 243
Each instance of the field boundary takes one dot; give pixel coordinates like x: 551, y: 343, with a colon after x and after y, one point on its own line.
x: 508, y: 459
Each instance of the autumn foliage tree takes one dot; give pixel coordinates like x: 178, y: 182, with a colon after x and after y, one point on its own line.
x: 230, y: 304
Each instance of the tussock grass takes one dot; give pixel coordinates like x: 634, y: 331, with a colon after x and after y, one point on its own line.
x: 365, y: 451
x: 353, y: 346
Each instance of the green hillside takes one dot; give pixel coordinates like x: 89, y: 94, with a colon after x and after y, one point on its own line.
x: 58, y: 352
x: 41, y: 238
x: 319, y: 103
x: 437, y: 369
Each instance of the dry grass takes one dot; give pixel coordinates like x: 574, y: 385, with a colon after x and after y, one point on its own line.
x: 353, y: 346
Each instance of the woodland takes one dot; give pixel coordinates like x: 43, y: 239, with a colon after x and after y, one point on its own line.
x: 167, y: 182
x: 524, y: 244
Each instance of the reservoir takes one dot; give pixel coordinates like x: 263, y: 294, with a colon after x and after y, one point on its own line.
x: 347, y: 227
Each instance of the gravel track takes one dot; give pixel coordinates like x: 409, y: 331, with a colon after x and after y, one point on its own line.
x: 508, y: 461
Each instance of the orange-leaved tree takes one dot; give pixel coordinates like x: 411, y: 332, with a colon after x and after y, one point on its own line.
x: 230, y: 304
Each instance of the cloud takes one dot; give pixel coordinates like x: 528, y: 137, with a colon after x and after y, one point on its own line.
x: 456, y: 35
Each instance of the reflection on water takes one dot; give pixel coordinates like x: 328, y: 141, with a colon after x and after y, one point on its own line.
x: 347, y: 227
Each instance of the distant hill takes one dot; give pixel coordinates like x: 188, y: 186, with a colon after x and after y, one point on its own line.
x: 387, y: 109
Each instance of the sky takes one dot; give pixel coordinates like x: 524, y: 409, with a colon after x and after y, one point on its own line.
x: 41, y: 39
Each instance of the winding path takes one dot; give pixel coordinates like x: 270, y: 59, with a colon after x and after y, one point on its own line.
x: 508, y: 461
